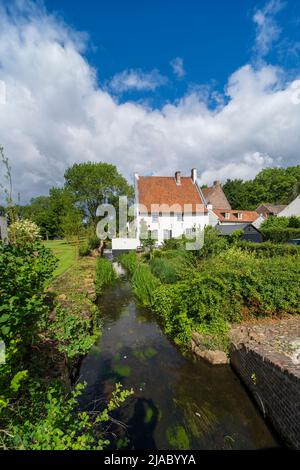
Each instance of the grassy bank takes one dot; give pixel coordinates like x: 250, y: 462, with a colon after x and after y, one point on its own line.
x: 74, y: 324
x: 65, y: 253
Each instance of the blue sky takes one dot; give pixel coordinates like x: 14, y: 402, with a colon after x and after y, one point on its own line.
x: 213, y: 38
x: 151, y: 87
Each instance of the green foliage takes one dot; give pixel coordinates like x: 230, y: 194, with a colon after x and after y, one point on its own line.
x: 53, y: 424
x: 170, y: 266
x: 105, y: 274
x: 74, y: 333
x: 129, y: 261
x: 281, y: 229
x: 225, y: 286
x: 93, y: 242
x: 214, y: 243
x: 84, y: 249
x: 24, y: 272
x: 273, y: 185
x: 280, y: 235
x: 269, y: 249
x: 144, y: 284
x: 275, y: 223
x: 92, y: 183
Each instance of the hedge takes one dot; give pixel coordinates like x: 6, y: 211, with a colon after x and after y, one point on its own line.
x: 280, y: 235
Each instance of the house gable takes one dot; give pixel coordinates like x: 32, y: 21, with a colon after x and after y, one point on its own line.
x: 216, y: 196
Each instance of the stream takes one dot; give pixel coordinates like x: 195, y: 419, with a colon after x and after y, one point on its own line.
x: 179, y: 402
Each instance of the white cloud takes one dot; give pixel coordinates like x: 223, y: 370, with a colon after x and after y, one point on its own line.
x: 56, y: 114
x: 177, y: 67
x: 267, y: 29
x: 137, y: 80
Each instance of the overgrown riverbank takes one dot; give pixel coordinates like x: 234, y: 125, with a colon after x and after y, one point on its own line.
x: 46, y: 332
x: 206, y: 290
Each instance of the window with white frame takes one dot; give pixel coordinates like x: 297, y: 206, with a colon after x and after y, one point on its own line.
x: 189, y: 232
x: 155, y: 218
x: 227, y: 215
x: 179, y: 216
x: 240, y: 215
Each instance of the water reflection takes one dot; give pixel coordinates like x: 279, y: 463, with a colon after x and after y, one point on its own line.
x: 179, y: 402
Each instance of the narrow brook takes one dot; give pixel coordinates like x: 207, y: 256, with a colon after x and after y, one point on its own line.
x: 179, y: 402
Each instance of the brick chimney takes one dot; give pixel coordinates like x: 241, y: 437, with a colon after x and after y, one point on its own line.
x: 217, y: 183
x: 178, y: 178
x: 194, y: 175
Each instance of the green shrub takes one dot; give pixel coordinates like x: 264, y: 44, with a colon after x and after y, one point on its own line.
x: 214, y: 243
x: 280, y: 235
x: 144, y: 284
x: 93, y: 242
x: 129, y: 261
x: 269, y: 249
x: 105, y: 274
x: 84, y: 249
x: 54, y: 422
x: 24, y: 273
x: 225, y: 286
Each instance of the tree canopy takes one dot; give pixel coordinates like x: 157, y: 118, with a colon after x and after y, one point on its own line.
x: 95, y: 183
x: 272, y: 185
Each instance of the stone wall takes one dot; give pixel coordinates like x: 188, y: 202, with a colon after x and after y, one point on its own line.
x: 273, y: 378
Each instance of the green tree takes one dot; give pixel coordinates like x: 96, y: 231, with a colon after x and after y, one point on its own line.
x: 272, y: 185
x: 95, y: 183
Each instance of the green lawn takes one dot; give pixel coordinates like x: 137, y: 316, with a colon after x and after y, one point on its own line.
x: 65, y: 252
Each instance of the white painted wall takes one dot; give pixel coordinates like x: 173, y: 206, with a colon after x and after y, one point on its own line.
x: 170, y: 222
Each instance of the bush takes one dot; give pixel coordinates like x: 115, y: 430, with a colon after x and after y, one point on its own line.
x: 23, y: 232
x: 84, y: 249
x: 56, y: 424
x: 129, y: 261
x: 214, y: 243
x: 171, y: 265
x: 280, y: 235
x: 269, y: 249
x: 93, y: 242
x: 144, y: 284
x: 225, y: 287
x: 24, y: 273
x: 105, y: 274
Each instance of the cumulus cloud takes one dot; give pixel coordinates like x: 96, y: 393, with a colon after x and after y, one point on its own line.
x: 137, y: 80
x: 267, y: 28
x: 55, y: 114
x: 177, y: 67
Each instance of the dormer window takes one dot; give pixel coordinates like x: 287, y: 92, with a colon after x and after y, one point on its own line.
x: 240, y: 215
x: 227, y: 215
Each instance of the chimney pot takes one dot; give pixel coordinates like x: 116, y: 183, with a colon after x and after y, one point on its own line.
x: 194, y: 175
x: 178, y: 178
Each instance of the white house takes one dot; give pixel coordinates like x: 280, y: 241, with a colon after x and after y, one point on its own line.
x: 169, y: 206
x: 293, y: 209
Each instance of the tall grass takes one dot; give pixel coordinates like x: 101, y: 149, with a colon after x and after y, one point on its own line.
x: 144, y: 284
x: 129, y: 261
x: 105, y: 274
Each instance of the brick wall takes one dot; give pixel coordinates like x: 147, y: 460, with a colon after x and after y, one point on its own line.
x: 275, y: 389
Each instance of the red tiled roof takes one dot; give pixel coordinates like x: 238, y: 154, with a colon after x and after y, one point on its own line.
x: 247, y: 216
x: 163, y: 190
x: 216, y: 196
